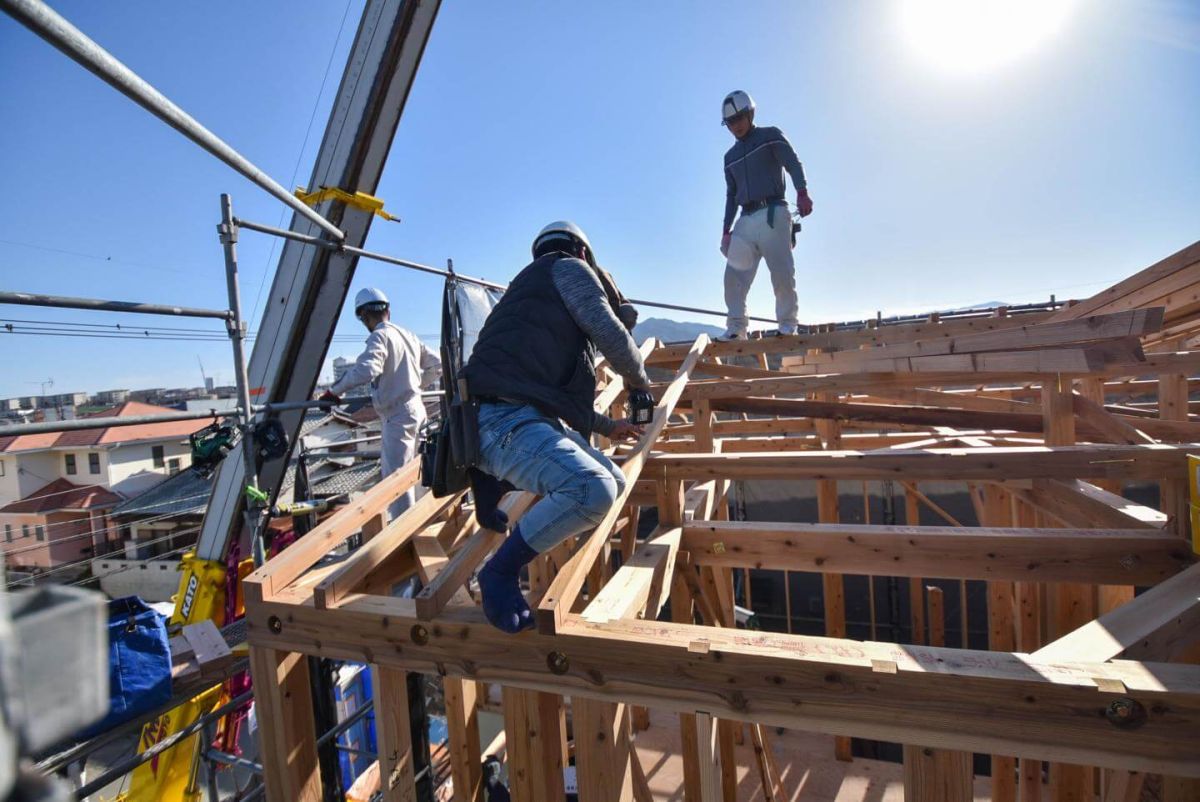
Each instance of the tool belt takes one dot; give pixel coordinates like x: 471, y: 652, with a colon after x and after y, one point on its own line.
x: 769, y: 203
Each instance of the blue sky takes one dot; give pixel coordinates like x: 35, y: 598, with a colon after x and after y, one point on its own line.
x: 1058, y: 171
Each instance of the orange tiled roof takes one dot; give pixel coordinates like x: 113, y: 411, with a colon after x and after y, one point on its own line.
x: 105, y: 435
x: 63, y: 495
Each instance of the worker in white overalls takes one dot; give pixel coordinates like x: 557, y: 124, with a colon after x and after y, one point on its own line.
x: 398, y: 365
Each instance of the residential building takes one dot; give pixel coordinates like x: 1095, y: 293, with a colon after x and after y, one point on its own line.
x: 64, y: 400
x: 65, y: 482
x: 340, y: 366
x: 60, y: 523
x: 111, y: 397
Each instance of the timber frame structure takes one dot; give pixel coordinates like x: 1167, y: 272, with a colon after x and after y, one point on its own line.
x: 1042, y: 416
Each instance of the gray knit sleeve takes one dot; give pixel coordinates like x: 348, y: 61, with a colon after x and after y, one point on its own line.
x: 588, y: 305
x: 602, y: 424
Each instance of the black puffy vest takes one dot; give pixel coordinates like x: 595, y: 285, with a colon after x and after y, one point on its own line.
x: 531, y: 350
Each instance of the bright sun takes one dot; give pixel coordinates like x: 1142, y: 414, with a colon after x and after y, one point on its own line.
x: 971, y: 36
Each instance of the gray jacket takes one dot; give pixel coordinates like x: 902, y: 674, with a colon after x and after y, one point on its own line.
x: 754, y: 169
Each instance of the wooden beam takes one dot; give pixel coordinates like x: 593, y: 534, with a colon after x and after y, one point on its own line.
x: 1112, y: 428
x: 286, y: 567
x: 1085, y: 505
x: 1125, y: 294
x: 1134, y: 556
x: 393, y: 733
x: 639, y: 588
x: 827, y: 684
x: 1069, y: 462
x: 355, y: 568
x: 557, y: 602
x: 1157, y: 625
x: 437, y: 594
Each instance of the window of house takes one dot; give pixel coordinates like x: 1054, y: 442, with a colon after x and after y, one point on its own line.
x: 173, y: 466
x: 70, y: 461
x: 8, y: 533
x: 24, y: 530
x: 93, y: 462
x: 1, y: 467
x: 157, y: 453
x: 41, y: 534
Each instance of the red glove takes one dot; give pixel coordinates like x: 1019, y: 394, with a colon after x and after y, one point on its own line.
x: 725, y: 243
x: 804, y: 203
x: 334, y: 400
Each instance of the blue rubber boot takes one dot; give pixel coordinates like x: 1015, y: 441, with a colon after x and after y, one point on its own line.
x: 500, y: 584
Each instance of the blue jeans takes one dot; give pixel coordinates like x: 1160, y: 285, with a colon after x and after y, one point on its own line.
x: 577, y: 483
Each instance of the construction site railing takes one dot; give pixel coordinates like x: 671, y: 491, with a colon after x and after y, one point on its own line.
x: 97, y: 305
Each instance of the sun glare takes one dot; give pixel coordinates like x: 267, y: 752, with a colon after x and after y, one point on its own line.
x: 971, y: 36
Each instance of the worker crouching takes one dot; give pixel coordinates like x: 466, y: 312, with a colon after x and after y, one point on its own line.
x: 532, y: 370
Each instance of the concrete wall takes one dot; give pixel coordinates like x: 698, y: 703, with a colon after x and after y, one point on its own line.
x: 152, y: 580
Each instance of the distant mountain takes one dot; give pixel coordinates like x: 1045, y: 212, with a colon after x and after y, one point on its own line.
x: 672, y: 331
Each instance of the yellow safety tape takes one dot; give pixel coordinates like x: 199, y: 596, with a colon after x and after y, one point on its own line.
x: 359, y: 200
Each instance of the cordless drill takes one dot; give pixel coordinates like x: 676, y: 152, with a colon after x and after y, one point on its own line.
x: 641, y: 407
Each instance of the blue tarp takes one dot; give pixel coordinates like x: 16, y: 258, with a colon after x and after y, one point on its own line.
x: 139, y: 662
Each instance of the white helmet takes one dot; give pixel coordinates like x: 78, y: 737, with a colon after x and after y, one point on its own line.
x: 735, y: 103
x: 369, y: 299
x: 563, y: 229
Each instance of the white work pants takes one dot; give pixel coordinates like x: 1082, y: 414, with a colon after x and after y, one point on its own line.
x: 753, y: 239
x: 399, y: 445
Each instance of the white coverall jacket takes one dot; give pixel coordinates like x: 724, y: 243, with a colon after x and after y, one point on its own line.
x: 397, y: 365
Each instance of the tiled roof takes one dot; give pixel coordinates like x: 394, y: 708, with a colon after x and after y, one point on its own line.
x: 347, y: 480
x: 185, y: 492
x: 105, y: 435
x: 63, y: 495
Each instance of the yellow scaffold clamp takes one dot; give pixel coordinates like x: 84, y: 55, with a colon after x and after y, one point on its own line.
x: 359, y: 200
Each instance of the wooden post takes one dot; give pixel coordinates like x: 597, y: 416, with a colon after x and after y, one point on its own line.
x: 1029, y: 639
x: 937, y: 775
x: 997, y: 509
x: 462, y: 722
x: 602, y: 751
x: 287, y: 740
x: 1173, y: 405
x: 1072, y: 605
x: 536, y: 737
x: 393, y: 732
x: 710, y: 771
x: 916, y: 588
x: 833, y: 585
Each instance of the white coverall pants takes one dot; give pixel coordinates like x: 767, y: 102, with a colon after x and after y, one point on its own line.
x: 753, y: 239
x: 399, y: 445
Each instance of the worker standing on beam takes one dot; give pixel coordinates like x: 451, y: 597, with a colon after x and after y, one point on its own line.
x: 754, y: 181
x: 532, y: 370
x: 397, y: 365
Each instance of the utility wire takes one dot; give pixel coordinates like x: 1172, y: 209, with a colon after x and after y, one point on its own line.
x: 299, y: 156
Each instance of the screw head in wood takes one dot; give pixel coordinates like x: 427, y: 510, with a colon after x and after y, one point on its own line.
x: 1125, y: 713
x: 557, y: 662
x: 420, y: 635
x: 275, y: 625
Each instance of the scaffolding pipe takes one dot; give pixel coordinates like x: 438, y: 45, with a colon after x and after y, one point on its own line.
x: 96, y: 305
x: 18, y: 429
x: 127, y: 765
x: 55, y: 29
x: 391, y: 260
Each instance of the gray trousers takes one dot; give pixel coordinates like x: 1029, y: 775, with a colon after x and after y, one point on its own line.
x: 753, y: 240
